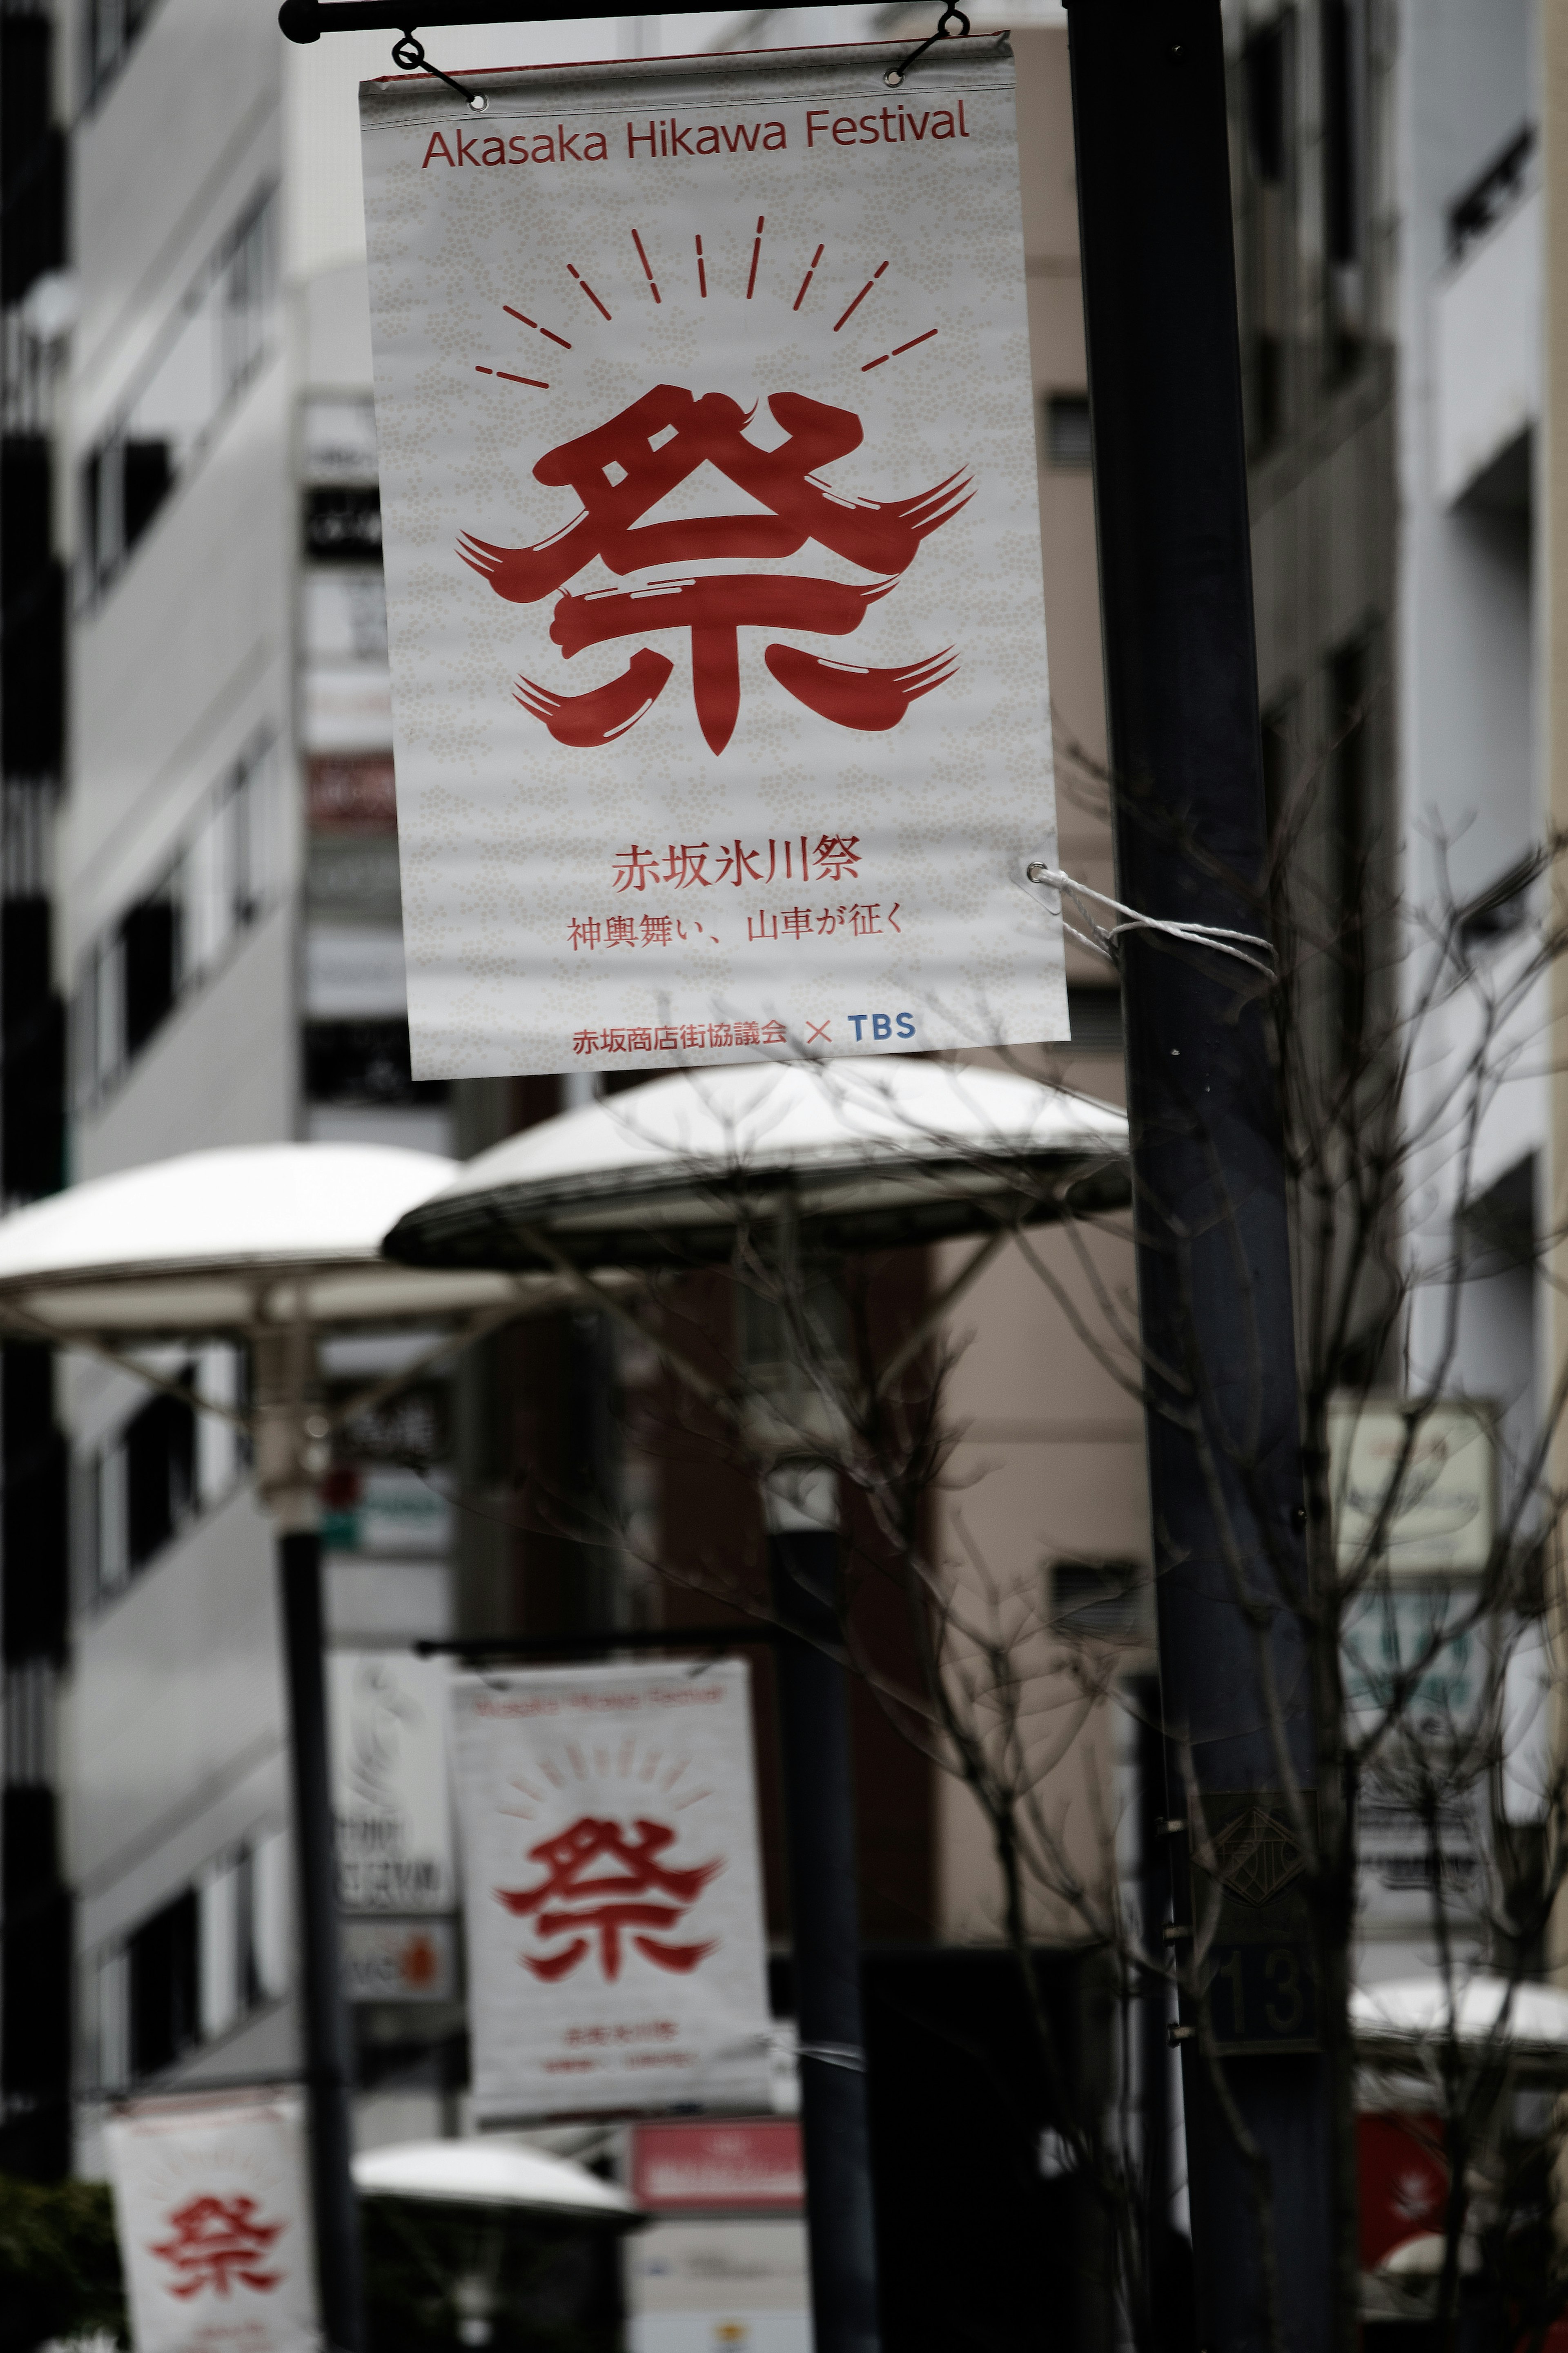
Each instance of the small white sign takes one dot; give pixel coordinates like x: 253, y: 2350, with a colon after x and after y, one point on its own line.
x: 400, y: 1960
x: 613, y: 1891
x: 1432, y: 1490
x: 214, y: 2224
x: 389, y: 1782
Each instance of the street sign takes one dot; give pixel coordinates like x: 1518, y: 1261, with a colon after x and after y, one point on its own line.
x: 1421, y: 1496
x: 710, y: 514
x: 613, y: 1889
x: 390, y: 1799
x: 214, y: 2223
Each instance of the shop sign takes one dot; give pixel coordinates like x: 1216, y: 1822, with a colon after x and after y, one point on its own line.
x: 711, y: 512
x: 214, y: 2224
x: 390, y: 1792
x: 612, y: 1889
x: 1427, y: 1499
x: 752, y: 2167
x: 400, y: 1960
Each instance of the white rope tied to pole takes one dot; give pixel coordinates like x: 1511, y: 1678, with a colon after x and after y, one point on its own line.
x: 1103, y: 938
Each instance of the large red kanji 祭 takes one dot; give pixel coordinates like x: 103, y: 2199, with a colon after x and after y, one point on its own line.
x: 624, y: 469
x: 601, y: 1882
x: 216, y: 2242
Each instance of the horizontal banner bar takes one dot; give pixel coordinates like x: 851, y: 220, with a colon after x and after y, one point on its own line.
x: 307, y: 20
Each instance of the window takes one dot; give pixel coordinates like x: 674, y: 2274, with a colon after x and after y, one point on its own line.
x: 109, y: 31
x: 1101, y: 1600
x: 220, y: 881
x: 198, y: 1968
x: 1094, y: 1013
x: 219, y: 340
x: 1343, y: 181
x: 164, y: 1988
x: 343, y: 525
x: 1351, y: 844
x: 1068, y: 442
x: 1268, y: 226
x: 170, y: 1460
x: 363, y: 1062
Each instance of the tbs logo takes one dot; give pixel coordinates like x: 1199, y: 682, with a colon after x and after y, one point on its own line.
x: 882, y: 1025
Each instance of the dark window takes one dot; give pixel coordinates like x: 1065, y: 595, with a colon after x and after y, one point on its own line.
x: 343, y: 526
x: 1067, y: 437
x: 363, y: 1062
x: 1350, y: 842
x: 150, y: 944
x: 36, y: 1462
x: 160, y: 1475
x: 162, y: 1962
x: 1095, y: 1015
x: 1341, y: 225
x: 1495, y: 192
x: 1263, y: 65
x: 110, y: 28
x: 147, y: 475
x: 1104, y: 1600
x: 32, y: 155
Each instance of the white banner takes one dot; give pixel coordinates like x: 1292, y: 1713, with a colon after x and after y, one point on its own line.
x: 612, y: 1889
x: 213, y: 2215
x: 388, y: 1715
x: 710, y: 501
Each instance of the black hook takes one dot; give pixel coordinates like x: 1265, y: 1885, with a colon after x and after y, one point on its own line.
x: 408, y: 52
x: 895, y: 74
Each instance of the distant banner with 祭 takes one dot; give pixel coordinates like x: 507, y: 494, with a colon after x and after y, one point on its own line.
x: 211, y: 2209
x: 612, y: 1891
x: 710, y: 525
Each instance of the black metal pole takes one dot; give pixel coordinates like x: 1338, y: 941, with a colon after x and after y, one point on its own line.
x: 1156, y: 2010
x: 329, y: 2058
x: 819, y: 1809
x: 1149, y: 102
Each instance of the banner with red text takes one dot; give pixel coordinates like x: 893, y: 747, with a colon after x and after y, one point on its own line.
x: 711, y: 527
x: 612, y: 1887
x: 212, y: 2216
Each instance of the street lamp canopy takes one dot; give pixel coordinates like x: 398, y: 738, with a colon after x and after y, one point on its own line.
x: 497, y: 2170
x: 864, y: 1154
x: 235, y: 1241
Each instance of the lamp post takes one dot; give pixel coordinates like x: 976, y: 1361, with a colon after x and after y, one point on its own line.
x: 825, y: 1159
x: 271, y: 1245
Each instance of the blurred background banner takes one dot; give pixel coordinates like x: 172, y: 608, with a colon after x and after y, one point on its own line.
x: 613, y: 1889
x: 712, y: 564
x: 214, y: 2223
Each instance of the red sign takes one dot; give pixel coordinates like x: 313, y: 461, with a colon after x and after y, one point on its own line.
x: 750, y: 2167
x: 351, y: 795
x: 1403, y: 2182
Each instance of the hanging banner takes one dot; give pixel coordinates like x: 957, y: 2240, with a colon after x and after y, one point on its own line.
x: 213, y: 2217
x: 390, y: 1802
x: 710, y: 526
x: 612, y: 1889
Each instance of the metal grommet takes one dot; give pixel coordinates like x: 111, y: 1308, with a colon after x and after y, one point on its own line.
x: 893, y: 78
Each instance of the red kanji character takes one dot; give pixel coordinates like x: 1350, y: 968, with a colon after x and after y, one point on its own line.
x: 746, y: 1034
x: 655, y: 931
x: 620, y: 932
x: 612, y: 1041
x: 585, y: 934
x: 738, y: 864
x: 775, y: 1034
x: 601, y: 1881
x: 639, y: 1041
x: 692, y: 1034
x: 636, y: 868
x: 798, y: 922
x: 838, y: 857
x: 216, y: 2242
x: 685, y: 865
x: 757, y: 926
x: 584, y: 1041
x: 665, y: 1042
x: 626, y: 467
x: 865, y: 920
x: 720, y: 1034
